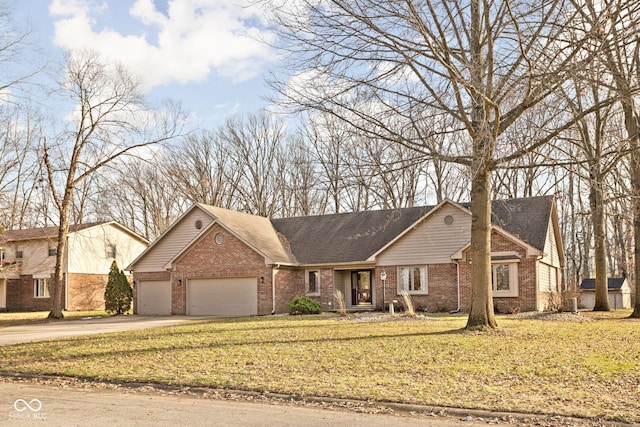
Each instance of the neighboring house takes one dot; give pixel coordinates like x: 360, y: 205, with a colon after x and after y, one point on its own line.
x: 28, y: 263
x: 214, y: 261
x: 619, y: 293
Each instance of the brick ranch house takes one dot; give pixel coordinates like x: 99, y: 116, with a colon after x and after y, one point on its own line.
x: 27, y: 264
x: 214, y: 261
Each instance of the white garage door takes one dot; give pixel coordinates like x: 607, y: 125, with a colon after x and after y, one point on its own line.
x: 222, y: 297
x: 154, y: 297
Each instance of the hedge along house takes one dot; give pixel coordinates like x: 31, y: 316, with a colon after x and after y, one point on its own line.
x: 28, y: 263
x: 214, y: 261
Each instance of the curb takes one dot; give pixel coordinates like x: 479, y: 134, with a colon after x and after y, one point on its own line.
x: 375, y: 406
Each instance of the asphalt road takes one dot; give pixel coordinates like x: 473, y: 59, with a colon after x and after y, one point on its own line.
x: 71, y: 328
x: 27, y: 404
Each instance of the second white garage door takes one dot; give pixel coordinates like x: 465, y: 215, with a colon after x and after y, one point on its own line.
x: 222, y: 297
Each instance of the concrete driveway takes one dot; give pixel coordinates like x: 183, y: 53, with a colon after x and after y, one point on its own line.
x: 89, y: 326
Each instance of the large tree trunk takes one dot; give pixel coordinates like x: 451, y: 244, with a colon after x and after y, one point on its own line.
x: 599, y: 233
x: 633, y: 128
x: 481, y: 315
x: 57, y: 293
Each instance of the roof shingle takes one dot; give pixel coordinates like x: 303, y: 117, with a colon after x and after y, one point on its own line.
x: 43, y: 232
x: 354, y: 237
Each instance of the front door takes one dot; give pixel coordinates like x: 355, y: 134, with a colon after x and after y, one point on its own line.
x: 361, y: 289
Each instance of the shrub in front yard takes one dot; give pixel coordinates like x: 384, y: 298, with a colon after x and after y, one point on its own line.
x: 304, y: 305
x: 118, y: 294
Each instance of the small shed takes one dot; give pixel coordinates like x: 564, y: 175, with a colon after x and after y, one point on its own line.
x: 618, y: 289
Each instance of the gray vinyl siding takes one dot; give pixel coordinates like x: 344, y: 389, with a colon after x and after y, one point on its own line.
x: 173, y: 242
x: 431, y: 241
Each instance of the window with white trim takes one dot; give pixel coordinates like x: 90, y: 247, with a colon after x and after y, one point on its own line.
x: 504, y: 279
x: 313, y: 282
x: 412, y: 279
x: 41, y: 288
x: 111, y: 250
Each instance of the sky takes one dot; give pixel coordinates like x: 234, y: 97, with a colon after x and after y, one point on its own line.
x: 206, y: 54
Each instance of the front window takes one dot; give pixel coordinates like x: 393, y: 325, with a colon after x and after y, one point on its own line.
x: 413, y: 279
x: 111, y: 251
x: 504, y: 279
x: 53, y: 251
x: 313, y: 282
x: 41, y: 288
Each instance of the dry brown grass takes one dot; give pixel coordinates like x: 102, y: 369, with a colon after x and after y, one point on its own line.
x: 587, y: 369
x: 24, y: 318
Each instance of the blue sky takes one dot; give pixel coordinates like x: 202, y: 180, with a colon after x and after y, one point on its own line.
x: 204, y: 53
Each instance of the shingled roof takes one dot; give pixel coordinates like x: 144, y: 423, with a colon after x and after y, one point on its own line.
x: 612, y: 283
x: 43, y: 232
x: 255, y: 230
x: 346, y: 237
x: 355, y: 237
x: 526, y: 218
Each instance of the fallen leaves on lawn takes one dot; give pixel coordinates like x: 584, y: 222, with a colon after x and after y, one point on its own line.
x: 586, y: 369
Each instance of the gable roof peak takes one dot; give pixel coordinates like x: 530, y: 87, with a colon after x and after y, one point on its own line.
x: 257, y: 231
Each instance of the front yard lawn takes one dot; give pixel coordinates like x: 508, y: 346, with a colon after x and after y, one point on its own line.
x: 587, y: 369
x: 23, y: 318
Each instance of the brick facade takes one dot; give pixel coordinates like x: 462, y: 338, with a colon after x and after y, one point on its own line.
x: 448, y: 284
x: 289, y: 284
x: 442, y: 292
x: 86, y: 291
x: 21, y: 295
x: 13, y: 295
x: 142, y: 277
x: 528, y: 294
x: 232, y: 258
x: 210, y: 260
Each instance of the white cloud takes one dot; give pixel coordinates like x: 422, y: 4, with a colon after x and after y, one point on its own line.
x: 188, y: 43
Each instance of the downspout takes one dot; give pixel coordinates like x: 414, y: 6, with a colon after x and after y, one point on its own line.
x: 457, y: 310
x: 274, y: 271
x: 458, y: 283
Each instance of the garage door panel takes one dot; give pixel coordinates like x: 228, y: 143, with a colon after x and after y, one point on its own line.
x: 154, y: 297
x: 222, y: 297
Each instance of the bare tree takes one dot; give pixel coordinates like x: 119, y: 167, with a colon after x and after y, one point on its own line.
x: 255, y: 144
x: 328, y: 139
x: 614, y: 26
x: 390, y: 68
x: 599, y: 154
x: 20, y: 165
x: 203, y: 170
x: 19, y: 122
x: 110, y: 120
x: 300, y: 189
